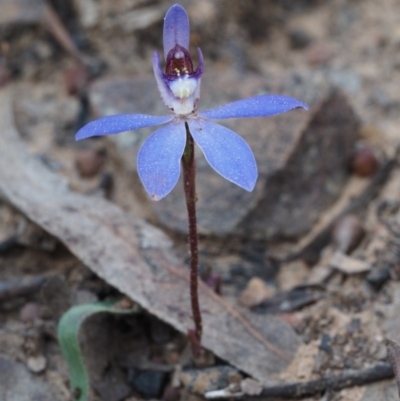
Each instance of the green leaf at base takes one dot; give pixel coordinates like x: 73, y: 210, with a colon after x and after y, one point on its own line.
x: 68, y: 338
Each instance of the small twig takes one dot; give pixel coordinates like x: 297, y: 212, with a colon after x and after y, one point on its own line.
x: 54, y: 24
x: 377, y: 372
x: 380, y: 371
x: 21, y: 287
x: 189, y: 173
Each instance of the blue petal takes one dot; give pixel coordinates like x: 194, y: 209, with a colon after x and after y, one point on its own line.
x: 159, y: 158
x: 176, y: 29
x: 162, y: 85
x: 257, y: 106
x: 200, y: 69
x: 226, y: 152
x: 119, y: 123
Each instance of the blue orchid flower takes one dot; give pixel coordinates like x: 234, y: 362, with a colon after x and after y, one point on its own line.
x: 158, y: 162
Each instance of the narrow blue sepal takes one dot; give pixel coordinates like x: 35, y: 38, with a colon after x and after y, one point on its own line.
x: 257, y: 106
x: 119, y: 123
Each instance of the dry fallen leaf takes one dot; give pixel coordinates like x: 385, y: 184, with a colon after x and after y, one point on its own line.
x: 136, y: 258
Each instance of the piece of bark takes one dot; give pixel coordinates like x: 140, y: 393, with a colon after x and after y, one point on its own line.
x: 302, y: 157
x: 137, y: 259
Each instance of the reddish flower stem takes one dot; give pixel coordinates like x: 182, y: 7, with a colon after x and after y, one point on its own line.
x: 189, y: 174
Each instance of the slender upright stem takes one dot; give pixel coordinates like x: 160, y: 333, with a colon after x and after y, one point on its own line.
x: 189, y: 174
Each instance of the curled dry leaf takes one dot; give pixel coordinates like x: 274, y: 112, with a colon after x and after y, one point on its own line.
x: 136, y: 258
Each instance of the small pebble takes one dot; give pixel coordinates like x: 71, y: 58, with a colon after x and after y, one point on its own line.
x: 378, y: 277
x: 251, y: 387
x: 125, y: 303
x: 299, y: 38
x: 365, y: 162
x: 36, y: 364
x: 210, y: 379
x: 325, y: 344
x: 88, y: 162
x: 319, y: 53
x: 348, y: 233
x: 149, y: 383
x: 255, y: 293
x: 88, y: 13
x: 29, y: 312
x: 82, y: 297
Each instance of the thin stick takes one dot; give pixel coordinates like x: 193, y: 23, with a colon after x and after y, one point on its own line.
x: 189, y: 174
x: 377, y: 372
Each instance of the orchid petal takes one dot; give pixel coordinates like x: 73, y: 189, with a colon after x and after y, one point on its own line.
x: 200, y: 69
x: 119, y: 123
x: 226, y: 152
x: 159, y: 158
x: 165, y: 92
x: 176, y: 29
x: 257, y: 106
